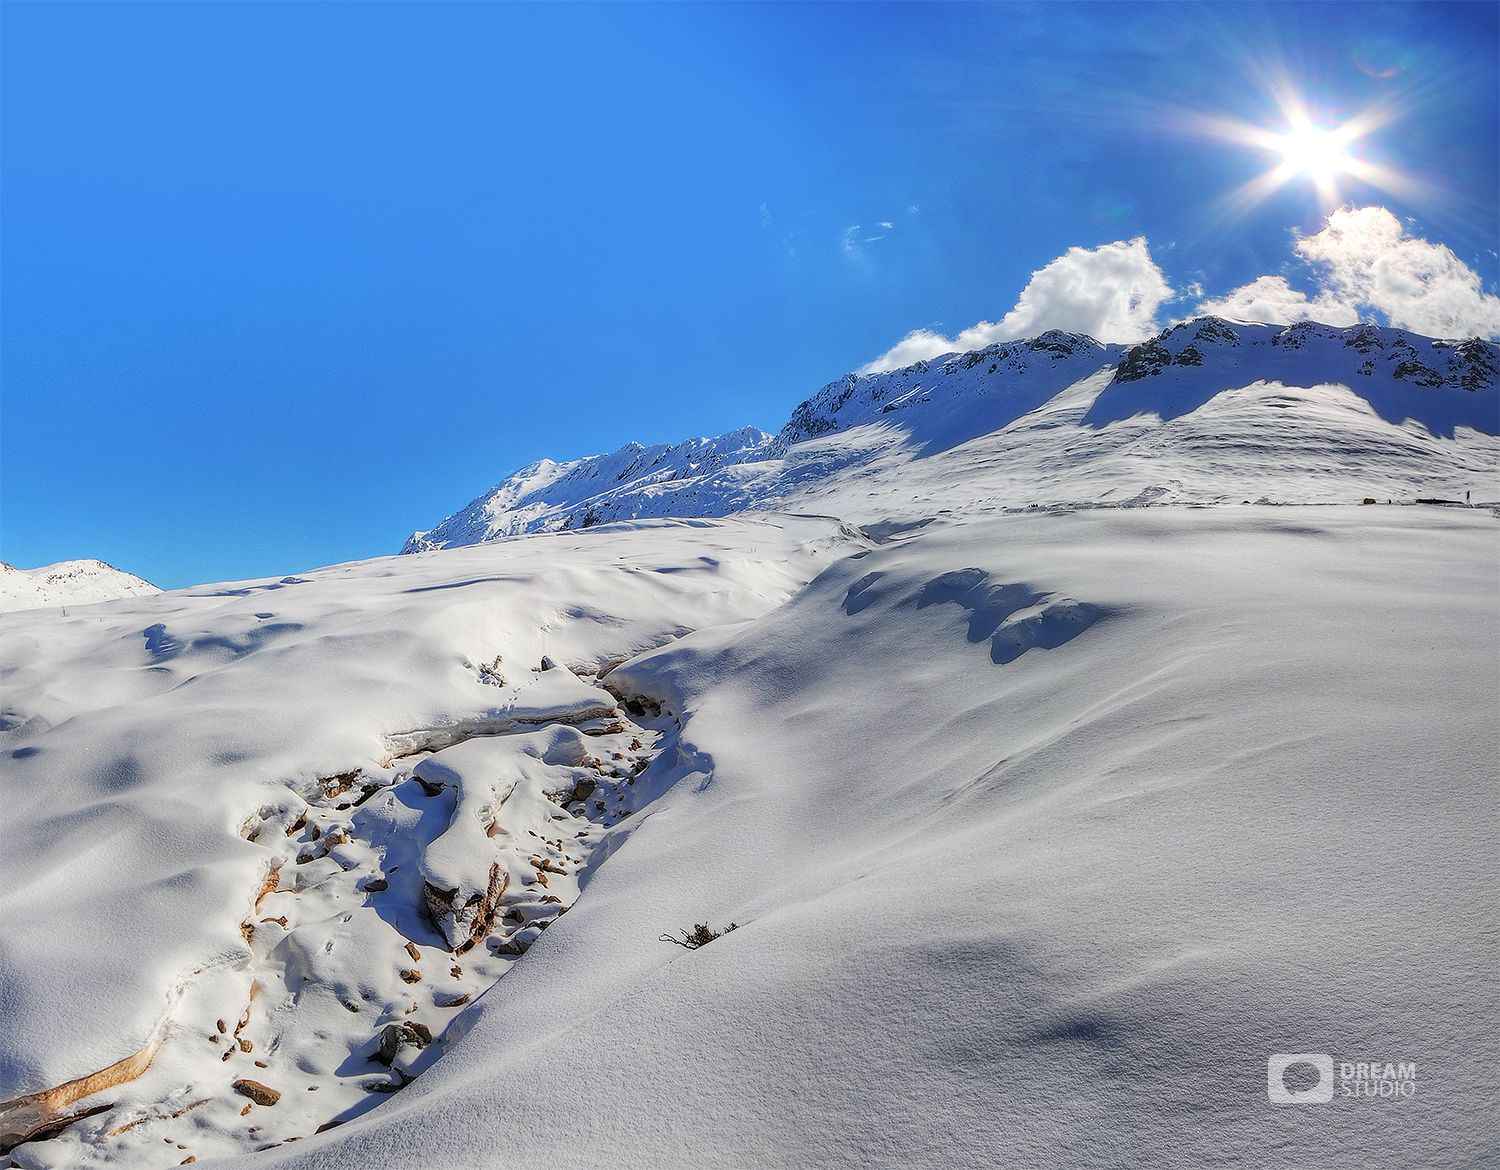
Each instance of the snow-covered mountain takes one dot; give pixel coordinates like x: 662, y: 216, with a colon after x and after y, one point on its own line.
x: 67, y: 583
x: 547, y: 496
x: 1208, y: 411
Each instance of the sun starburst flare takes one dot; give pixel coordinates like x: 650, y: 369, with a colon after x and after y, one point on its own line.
x: 1305, y: 144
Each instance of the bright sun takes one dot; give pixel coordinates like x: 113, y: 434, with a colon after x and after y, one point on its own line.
x: 1320, y: 154
x: 1311, y: 147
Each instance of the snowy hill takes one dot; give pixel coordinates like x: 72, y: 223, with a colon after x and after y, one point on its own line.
x: 1208, y: 411
x: 1042, y: 833
x: 67, y: 583
x: 1043, y: 829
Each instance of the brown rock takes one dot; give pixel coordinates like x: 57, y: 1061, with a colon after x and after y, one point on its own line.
x: 257, y: 1092
x: 338, y: 785
x: 394, y: 1037
x: 465, y: 925
x: 582, y: 790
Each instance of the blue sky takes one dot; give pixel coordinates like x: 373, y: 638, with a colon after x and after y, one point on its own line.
x: 284, y: 282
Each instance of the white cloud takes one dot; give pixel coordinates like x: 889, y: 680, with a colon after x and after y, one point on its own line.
x: 1364, y: 265
x: 847, y: 240
x: 1365, y: 257
x: 1272, y: 300
x: 916, y: 346
x: 1111, y: 293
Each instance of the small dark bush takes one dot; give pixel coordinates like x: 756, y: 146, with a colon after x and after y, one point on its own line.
x: 702, y: 934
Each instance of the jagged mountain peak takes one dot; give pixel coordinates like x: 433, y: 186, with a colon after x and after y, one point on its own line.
x: 1033, y: 366
x: 1403, y: 376
x: 1468, y: 364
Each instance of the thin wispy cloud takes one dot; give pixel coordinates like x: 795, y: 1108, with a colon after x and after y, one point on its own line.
x: 786, y: 240
x: 852, y: 236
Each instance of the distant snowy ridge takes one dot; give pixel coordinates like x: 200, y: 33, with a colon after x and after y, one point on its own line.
x: 546, y: 496
x: 1209, y: 410
x: 67, y: 583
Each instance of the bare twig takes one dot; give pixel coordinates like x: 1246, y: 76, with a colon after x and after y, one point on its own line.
x: 702, y: 934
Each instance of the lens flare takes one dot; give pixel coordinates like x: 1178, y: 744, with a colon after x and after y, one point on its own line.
x: 1319, y: 153
x: 1307, y: 146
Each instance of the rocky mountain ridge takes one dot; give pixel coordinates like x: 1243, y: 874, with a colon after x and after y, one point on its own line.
x: 1446, y: 389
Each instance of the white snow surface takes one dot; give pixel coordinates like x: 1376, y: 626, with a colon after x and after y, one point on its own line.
x: 1042, y: 832
x: 1059, y: 732
x: 67, y: 583
x: 1210, y: 411
x: 163, y: 754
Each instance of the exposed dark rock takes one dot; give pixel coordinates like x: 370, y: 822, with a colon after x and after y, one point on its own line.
x: 257, y: 1092
x: 394, y: 1037
x: 1143, y: 361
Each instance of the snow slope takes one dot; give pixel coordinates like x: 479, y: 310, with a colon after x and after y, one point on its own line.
x: 1042, y: 831
x: 1209, y: 411
x: 202, y: 786
x: 67, y: 583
